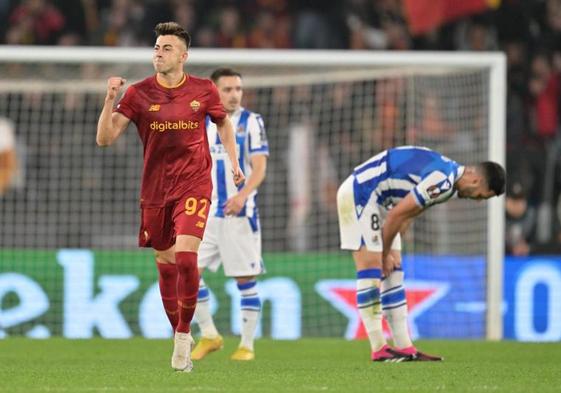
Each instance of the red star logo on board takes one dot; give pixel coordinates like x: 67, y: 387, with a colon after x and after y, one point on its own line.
x: 421, y: 295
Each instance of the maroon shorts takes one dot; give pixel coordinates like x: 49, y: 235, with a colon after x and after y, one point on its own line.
x: 160, y: 225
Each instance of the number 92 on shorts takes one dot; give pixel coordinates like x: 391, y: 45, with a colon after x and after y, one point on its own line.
x: 160, y: 225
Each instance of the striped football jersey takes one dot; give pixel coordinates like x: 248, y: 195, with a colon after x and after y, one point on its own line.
x: 392, y: 174
x: 250, y: 139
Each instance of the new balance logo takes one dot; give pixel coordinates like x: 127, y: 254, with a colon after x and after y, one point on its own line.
x: 200, y: 224
x: 154, y: 108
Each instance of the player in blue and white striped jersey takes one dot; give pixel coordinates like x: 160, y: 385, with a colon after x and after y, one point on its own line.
x: 377, y: 202
x: 233, y: 236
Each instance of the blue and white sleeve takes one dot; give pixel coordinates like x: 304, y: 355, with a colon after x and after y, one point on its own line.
x: 434, y: 188
x: 257, y: 136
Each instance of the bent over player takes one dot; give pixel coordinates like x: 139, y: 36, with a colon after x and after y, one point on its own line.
x: 233, y: 234
x: 169, y: 110
x: 377, y: 202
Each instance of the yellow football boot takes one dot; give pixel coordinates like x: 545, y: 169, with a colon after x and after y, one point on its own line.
x: 207, y: 345
x: 243, y: 353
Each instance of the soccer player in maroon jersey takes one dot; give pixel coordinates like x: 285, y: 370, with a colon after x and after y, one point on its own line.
x: 169, y: 111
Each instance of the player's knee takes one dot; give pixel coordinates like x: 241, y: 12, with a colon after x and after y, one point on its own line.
x: 365, y: 259
x: 187, y: 243
x: 244, y: 280
x: 167, y: 256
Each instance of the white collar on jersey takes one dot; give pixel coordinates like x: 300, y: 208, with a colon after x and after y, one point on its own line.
x: 460, y: 172
x: 238, y: 113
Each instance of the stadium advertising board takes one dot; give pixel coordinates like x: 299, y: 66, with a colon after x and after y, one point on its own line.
x: 81, y: 294
x: 533, y: 299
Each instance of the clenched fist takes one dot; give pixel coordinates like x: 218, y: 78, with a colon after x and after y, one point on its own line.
x: 113, y: 86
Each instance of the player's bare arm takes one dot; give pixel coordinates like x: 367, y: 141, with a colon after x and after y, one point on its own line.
x: 111, y: 124
x: 405, y: 227
x: 397, y: 220
x: 259, y: 166
x: 225, y: 130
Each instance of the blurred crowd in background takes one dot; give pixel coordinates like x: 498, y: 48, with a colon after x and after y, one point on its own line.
x: 528, y: 31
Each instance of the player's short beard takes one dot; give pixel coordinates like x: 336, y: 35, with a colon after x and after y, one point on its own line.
x: 235, y: 106
x: 466, y: 192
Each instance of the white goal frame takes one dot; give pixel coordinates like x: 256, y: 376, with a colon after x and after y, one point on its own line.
x: 493, y: 63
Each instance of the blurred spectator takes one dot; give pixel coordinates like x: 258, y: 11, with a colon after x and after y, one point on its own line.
x: 544, y: 88
x: 230, y: 33
x: 183, y: 12
x: 431, y: 128
x: 551, y: 35
x: 517, y: 116
x: 300, y: 171
x: 476, y: 35
x: 390, y: 100
x: 7, y: 154
x: 514, y: 20
x: 205, y: 38
x: 311, y: 30
x: 517, y: 75
x: 319, y: 27
x: 122, y: 23
x: 35, y: 22
x: 80, y: 21
x: 270, y: 32
x: 520, y: 221
x: 377, y: 25
x: 543, y: 96
x: 4, y: 15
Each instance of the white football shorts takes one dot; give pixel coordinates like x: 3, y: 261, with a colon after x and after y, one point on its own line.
x: 357, y: 228
x: 233, y: 242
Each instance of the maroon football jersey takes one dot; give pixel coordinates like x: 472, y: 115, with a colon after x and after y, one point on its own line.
x: 171, y: 124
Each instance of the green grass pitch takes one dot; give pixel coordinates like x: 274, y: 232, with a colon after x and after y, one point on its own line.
x: 308, y: 365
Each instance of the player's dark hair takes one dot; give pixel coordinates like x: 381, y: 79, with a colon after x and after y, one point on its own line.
x: 224, y: 71
x: 495, y: 176
x: 173, y: 28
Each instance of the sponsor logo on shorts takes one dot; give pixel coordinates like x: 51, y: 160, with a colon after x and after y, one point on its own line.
x: 200, y: 224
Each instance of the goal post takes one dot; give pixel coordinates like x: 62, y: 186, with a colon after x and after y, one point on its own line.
x: 325, y: 111
x: 496, y: 217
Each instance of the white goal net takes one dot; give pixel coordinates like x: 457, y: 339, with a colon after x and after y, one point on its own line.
x: 324, y: 112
